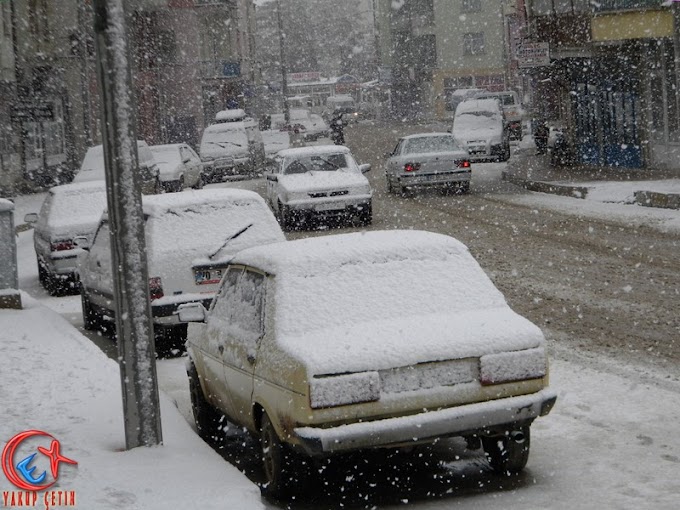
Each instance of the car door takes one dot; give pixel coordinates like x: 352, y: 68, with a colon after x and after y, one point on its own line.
x: 273, y: 168
x: 246, y: 328
x: 191, y: 163
x: 96, y: 276
x: 393, y: 161
x: 213, y: 343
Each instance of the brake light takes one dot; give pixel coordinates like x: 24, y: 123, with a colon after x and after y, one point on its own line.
x: 62, y: 245
x: 155, y: 288
x: 463, y: 164
x: 411, y: 167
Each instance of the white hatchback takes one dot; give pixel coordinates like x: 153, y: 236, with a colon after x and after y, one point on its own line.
x: 190, y: 237
x: 179, y: 166
x: 322, y: 181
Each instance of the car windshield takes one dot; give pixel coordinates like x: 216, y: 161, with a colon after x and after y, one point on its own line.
x: 166, y: 156
x: 430, y: 144
x: 316, y: 163
x: 225, y: 138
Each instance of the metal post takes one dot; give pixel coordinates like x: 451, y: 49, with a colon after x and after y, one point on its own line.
x: 128, y: 248
x: 284, y: 67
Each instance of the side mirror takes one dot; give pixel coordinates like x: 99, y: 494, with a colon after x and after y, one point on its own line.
x: 31, y: 218
x: 82, y: 242
x: 271, y: 177
x: 365, y: 168
x: 191, y: 312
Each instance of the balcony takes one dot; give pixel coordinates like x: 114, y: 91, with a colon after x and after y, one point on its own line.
x: 625, y: 5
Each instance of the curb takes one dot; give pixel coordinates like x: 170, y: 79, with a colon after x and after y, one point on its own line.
x: 656, y: 199
x: 547, y: 187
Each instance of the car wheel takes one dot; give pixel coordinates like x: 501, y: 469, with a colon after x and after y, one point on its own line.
x: 508, y: 453
x: 390, y: 188
x: 465, y: 187
x: 284, y: 217
x: 91, y: 319
x: 281, y: 464
x: 170, y: 340
x: 157, y: 187
x: 366, y: 214
x: 42, y: 274
x: 180, y: 184
x: 209, y: 421
x: 199, y: 183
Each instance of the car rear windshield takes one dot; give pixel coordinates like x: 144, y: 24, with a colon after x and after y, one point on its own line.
x: 316, y: 163
x: 430, y: 144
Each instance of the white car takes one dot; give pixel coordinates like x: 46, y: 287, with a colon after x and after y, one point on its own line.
x: 179, y: 166
x: 92, y: 168
x: 190, y: 237
x: 312, y: 127
x: 479, y: 127
x: 68, y: 212
x: 322, y: 181
x: 232, y: 148
x: 339, y: 343
x: 428, y: 160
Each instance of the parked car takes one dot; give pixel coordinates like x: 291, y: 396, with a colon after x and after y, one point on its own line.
x: 338, y: 343
x: 68, y: 211
x: 275, y: 140
x: 190, y: 237
x: 512, y: 110
x: 322, y: 181
x: 428, y: 160
x: 232, y: 148
x: 342, y: 103
x: 92, y: 168
x: 313, y: 126
x: 179, y: 166
x: 480, y: 128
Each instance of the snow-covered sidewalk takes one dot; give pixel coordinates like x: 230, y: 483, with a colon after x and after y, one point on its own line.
x: 55, y: 380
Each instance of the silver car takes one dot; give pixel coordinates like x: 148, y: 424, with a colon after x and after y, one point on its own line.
x: 427, y: 160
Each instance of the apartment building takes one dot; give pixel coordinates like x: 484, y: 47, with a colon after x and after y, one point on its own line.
x: 434, y: 47
x: 612, y: 78
x: 188, y: 59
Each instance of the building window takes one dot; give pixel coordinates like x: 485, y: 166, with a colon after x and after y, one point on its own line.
x: 471, y: 6
x: 473, y: 43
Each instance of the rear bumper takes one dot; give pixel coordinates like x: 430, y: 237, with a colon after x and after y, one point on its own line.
x: 344, y: 206
x: 427, y: 426
x: 439, y: 179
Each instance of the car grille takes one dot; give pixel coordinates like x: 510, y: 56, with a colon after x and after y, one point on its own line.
x: 429, y: 375
x: 323, y: 194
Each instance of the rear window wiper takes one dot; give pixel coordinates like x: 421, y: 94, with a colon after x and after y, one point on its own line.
x: 228, y: 239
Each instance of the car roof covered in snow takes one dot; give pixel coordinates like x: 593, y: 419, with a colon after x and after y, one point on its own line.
x: 155, y: 205
x: 313, y: 256
x: 315, y: 149
x: 426, y: 135
x: 78, y: 188
x: 478, y: 105
x: 230, y: 115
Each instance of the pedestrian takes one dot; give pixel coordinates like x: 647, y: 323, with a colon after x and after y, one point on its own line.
x: 337, y: 128
x: 541, y: 133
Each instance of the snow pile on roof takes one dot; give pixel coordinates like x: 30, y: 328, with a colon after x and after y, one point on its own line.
x: 230, y: 115
x: 478, y: 105
x: 72, y: 391
x: 74, y: 208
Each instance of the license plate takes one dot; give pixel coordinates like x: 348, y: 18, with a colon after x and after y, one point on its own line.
x: 329, y: 207
x: 207, y: 276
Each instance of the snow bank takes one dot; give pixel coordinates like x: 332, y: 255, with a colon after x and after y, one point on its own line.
x: 54, y: 379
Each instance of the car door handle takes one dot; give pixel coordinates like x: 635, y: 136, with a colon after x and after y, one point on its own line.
x: 251, y: 359
x: 220, y: 348
x: 99, y: 264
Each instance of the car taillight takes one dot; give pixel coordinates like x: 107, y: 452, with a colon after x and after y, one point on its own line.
x: 411, y: 167
x: 155, y: 288
x: 463, y: 164
x: 64, y: 244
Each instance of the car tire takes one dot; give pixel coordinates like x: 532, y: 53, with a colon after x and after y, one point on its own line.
x: 508, y: 453
x: 284, y: 217
x: 158, y: 186
x: 91, y: 319
x: 209, y: 421
x: 390, y: 188
x: 366, y: 214
x: 465, y: 187
x: 199, y: 183
x: 280, y: 463
x: 42, y: 275
x: 180, y: 184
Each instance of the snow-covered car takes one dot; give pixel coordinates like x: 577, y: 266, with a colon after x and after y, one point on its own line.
x: 387, y: 338
x: 275, y: 140
x: 479, y: 127
x: 312, y: 126
x: 92, y: 168
x: 322, y: 181
x: 512, y: 110
x: 232, y: 148
x: 179, y: 166
x: 190, y: 237
x: 68, y: 212
x: 428, y: 160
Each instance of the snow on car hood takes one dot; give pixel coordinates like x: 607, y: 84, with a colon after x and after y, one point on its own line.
x: 393, y: 343
x: 321, y: 180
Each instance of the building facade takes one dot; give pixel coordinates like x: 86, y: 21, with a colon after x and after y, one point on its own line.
x: 612, y: 80
x: 189, y: 58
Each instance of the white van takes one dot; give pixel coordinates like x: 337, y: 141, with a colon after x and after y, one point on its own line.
x: 232, y: 147
x: 512, y: 109
x: 479, y: 127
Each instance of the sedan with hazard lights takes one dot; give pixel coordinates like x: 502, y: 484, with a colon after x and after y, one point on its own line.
x: 366, y: 340
x: 428, y: 160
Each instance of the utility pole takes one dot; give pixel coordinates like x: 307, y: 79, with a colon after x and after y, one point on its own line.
x: 128, y: 248
x: 284, y: 67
